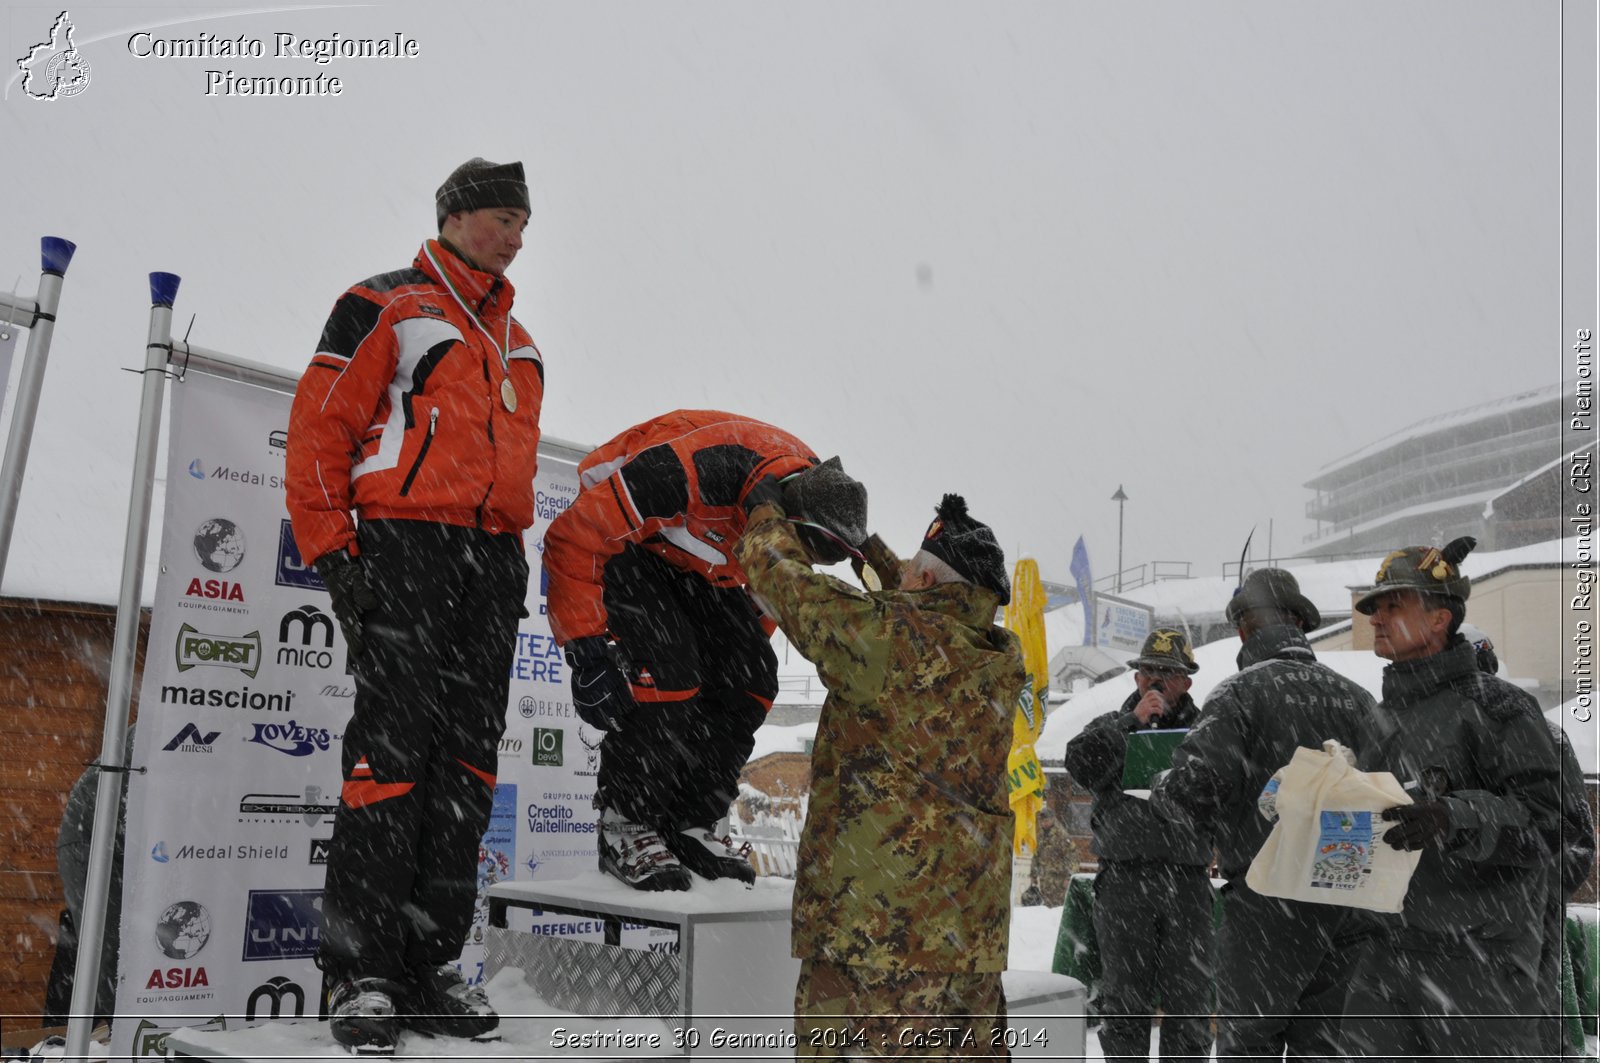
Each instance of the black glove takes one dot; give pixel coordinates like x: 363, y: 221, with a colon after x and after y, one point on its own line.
x: 600, y: 692
x: 353, y: 598
x: 1422, y: 825
x: 1094, y: 757
x: 1194, y: 788
x: 767, y: 489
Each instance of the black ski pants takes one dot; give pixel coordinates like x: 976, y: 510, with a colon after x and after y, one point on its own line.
x: 704, y: 675
x: 1153, y: 922
x: 1283, y: 969
x: 420, y: 751
x: 1405, y: 1004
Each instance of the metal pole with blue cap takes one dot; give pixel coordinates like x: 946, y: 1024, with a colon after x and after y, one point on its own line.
x: 108, y: 797
x: 55, y: 255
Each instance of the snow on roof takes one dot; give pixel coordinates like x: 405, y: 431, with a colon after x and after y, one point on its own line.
x: 1063, y: 627
x: 790, y: 738
x: 36, y: 567
x: 1443, y: 421
x: 1563, y: 462
x: 1217, y: 662
x: 1326, y: 583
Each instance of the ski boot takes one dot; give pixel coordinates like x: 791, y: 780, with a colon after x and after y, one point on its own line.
x: 709, y: 855
x: 361, y: 1015
x: 636, y: 854
x: 441, y: 1004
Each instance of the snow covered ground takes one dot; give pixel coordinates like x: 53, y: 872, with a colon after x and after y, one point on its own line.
x: 530, y: 1029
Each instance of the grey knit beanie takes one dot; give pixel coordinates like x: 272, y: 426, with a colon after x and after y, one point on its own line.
x: 479, y: 184
x: 828, y: 496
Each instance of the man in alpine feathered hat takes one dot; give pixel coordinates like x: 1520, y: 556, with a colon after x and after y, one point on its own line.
x: 1454, y: 974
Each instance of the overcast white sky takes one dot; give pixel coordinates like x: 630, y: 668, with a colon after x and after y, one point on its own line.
x: 1027, y: 252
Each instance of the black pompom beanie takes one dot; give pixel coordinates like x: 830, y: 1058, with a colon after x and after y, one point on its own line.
x: 968, y: 546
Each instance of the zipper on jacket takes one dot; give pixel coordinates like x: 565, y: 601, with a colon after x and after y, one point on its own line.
x: 422, y: 452
x: 488, y: 379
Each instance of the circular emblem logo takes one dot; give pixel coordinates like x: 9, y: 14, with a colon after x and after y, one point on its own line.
x: 67, y: 74
x: 219, y: 545
x: 183, y: 930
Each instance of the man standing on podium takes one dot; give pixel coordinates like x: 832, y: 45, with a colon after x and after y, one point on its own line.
x: 413, y: 440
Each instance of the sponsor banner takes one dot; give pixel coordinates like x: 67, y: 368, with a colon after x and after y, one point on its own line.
x: 280, y: 997
x: 150, y: 1039
x: 244, y: 702
x: 282, y: 924
x: 1121, y: 624
x: 497, y: 857
x: 554, y: 924
x: 239, y: 745
x: 290, y: 570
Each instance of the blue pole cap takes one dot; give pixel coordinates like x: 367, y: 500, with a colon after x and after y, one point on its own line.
x: 56, y: 254
x: 164, y: 288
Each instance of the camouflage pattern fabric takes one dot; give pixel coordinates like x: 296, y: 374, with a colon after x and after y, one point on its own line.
x: 905, y: 861
x: 849, y: 1012
x: 1056, y: 861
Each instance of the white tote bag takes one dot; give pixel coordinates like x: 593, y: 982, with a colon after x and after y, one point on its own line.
x: 1327, y: 846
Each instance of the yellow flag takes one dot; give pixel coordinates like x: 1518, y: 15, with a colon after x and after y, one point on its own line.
x: 1024, y: 777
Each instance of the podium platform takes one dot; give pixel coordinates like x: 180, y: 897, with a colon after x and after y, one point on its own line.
x: 722, y: 987
x: 728, y: 991
x: 727, y: 987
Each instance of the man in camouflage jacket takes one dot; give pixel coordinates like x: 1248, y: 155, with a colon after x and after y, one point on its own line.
x: 902, y: 897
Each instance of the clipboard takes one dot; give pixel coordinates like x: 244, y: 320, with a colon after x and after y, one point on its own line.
x: 1149, y: 752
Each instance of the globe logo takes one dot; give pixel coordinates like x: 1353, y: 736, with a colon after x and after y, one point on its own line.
x: 183, y: 930
x: 219, y: 544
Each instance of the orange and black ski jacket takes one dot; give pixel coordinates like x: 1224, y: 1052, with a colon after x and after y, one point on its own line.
x: 401, y: 415
x: 674, y: 485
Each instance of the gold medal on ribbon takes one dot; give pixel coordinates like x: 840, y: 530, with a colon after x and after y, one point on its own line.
x: 508, y: 395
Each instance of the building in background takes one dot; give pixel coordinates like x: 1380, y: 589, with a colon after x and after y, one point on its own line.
x: 1493, y: 471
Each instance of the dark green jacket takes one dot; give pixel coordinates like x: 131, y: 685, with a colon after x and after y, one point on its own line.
x: 1447, y: 730
x: 1125, y: 827
x: 1575, y: 861
x: 905, y: 859
x: 1280, y: 699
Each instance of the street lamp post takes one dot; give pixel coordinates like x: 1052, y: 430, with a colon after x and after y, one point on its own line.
x: 1119, y: 498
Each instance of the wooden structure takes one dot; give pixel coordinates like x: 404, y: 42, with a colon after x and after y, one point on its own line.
x: 54, y: 661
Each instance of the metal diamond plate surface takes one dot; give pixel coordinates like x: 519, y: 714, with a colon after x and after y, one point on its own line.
x: 589, y: 978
